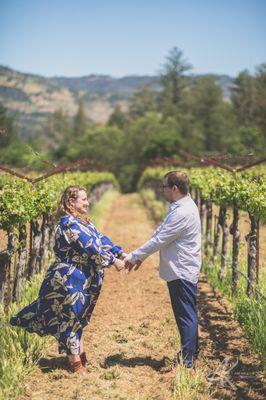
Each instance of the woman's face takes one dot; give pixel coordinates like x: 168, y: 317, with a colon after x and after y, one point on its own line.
x: 81, y: 204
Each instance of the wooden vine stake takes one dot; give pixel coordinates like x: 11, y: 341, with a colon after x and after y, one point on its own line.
x: 35, y: 240
x: 234, y: 231
x: 217, y: 235
x: 4, y: 261
x: 223, y: 267
x: 202, y: 211
x: 20, y: 268
x: 208, y: 226
x: 252, y: 239
x: 43, y: 243
x: 6, y: 258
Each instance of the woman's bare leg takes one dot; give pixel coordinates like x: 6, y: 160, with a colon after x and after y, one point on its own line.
x: 81, y: 345
x: 73, y: 358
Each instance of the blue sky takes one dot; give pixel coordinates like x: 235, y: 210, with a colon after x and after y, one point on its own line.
x: 118, y: 38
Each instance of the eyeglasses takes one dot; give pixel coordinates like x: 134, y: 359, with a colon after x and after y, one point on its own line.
x: 164, y: 186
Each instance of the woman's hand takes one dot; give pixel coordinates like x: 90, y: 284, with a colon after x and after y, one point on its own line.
x: 119, y: 264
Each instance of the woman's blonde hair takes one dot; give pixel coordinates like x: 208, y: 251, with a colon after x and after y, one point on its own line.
x: 65, y: 207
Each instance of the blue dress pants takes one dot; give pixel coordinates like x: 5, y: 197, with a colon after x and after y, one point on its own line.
x: 184, y: 304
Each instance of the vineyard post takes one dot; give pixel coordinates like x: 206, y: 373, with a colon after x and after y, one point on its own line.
x: 21, y: 263
x: 252, y: 253
x: 225, y: 230
x: 52, y: 226
x: 4, y: 260
x: 6, y: 257
x: 217, y: 233
x: 43, y: 242
x: 35, y: 237
x: 258, y: 253
x: 197, y: 197
x: 202, y: 211
x: 234, y: 231
x: 208, y: 226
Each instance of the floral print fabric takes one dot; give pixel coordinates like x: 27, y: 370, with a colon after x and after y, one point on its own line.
x: 72, y: 284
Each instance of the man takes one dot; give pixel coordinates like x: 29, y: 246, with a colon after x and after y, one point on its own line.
x: 178, y: 239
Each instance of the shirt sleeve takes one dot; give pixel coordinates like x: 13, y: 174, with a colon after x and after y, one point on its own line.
x: 172, y: 227
x: 90, y: 244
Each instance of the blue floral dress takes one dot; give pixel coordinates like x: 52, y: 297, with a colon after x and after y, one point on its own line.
x: 71, y: 286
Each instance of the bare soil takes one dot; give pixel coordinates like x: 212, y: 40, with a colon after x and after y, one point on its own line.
x: 132, y: 337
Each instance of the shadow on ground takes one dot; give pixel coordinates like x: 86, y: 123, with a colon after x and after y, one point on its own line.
x: 50, y: 364
x: 119, y: 359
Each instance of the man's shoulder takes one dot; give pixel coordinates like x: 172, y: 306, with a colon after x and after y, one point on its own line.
x: 186, y: 210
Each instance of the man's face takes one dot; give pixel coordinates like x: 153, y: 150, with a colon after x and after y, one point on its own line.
x: 167, y: 191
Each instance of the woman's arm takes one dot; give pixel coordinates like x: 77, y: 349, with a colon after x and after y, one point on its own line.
x: 84, y: 241
x: 110, y: 246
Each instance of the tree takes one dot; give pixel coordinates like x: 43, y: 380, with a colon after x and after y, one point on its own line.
x: 173, y: 78
x: 244, y: 98
x: 80, y: 122
x: 249, y: 100
x: 260, y: 99
x: 213, y: 117
x: 144, y: 100
x: 117, y: 118
x: 6, y: 123
x: 58, y: 132
x: 165, y: 141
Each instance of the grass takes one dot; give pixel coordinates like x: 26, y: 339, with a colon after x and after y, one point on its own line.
x: 20, y: 350
x: 191, y: 384
x: 250, y: 312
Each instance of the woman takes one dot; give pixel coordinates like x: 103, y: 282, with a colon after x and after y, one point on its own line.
x: 72, y: 284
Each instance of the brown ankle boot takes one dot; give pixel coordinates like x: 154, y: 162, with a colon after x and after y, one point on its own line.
x: 83, y: 358
x: 78, y: 367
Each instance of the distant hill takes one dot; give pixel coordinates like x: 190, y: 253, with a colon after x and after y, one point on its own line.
x: 32, y: 98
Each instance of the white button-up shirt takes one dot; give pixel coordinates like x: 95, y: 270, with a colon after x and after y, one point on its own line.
x: 178, y: 239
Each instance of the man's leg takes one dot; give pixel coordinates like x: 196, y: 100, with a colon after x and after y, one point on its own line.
x: 183, y: 299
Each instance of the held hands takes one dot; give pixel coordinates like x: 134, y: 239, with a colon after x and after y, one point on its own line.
x: 119, y: 264
x: 126, y: 264
x: 129, y: 265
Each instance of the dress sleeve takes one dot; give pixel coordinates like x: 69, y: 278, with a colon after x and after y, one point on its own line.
x: 89, y: 243
x: 110, y: 246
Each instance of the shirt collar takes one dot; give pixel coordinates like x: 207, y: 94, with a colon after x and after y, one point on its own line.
x: 179, y: 202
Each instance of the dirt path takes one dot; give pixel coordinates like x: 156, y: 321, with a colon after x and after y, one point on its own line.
x: 132, y: 336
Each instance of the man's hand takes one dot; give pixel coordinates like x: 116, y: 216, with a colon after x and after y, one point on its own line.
x: 129, y: 265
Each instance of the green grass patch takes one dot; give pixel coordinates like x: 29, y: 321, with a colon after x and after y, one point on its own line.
x: 20, y: 350
x: 250, y: 312
x: 191, y: 384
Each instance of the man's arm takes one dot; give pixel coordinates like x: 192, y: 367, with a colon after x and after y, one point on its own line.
x: 172, y: 227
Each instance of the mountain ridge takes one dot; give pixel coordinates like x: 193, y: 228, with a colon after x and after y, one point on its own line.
x: 31, y: 98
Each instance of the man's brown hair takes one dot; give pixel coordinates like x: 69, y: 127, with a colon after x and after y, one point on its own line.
x: 178, y: 178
